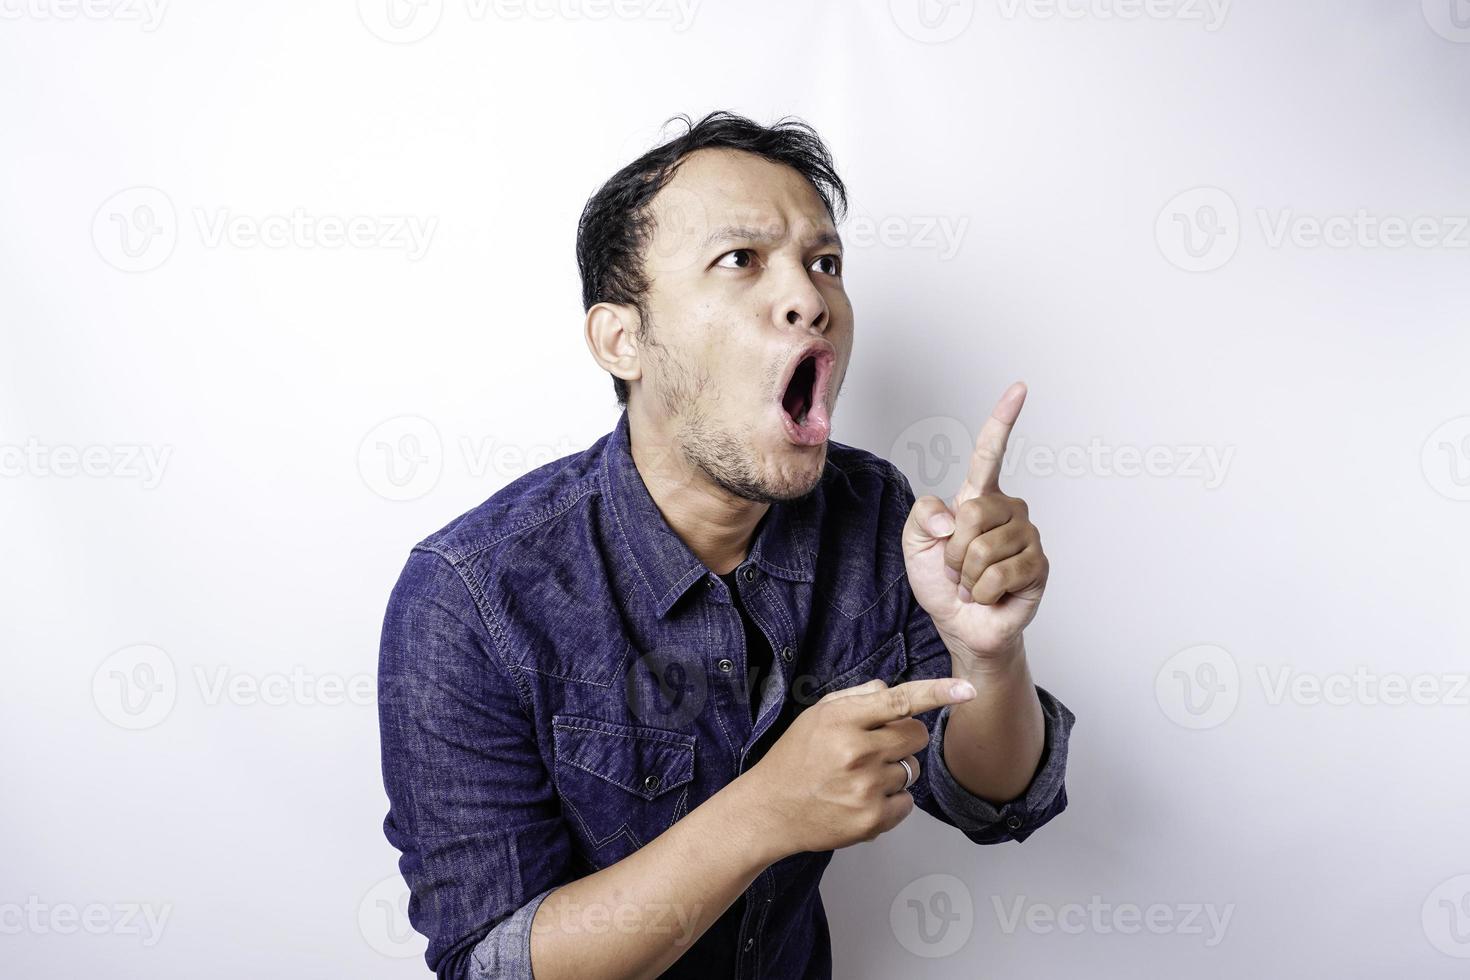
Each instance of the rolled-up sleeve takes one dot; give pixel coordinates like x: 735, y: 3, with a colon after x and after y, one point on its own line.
x: 471, y: 805
x: 937, y: 792
x: 979, y: 819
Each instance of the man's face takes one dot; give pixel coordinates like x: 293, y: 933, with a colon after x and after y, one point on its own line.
x: 746, y: 295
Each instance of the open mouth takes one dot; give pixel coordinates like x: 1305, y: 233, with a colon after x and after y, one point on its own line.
x: 803, y: 402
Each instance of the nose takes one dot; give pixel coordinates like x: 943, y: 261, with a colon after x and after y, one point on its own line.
x: 802, y: 305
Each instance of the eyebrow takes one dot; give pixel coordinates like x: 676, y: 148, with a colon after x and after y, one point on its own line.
x: 738, y: 233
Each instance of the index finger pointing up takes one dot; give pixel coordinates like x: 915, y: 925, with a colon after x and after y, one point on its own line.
x: 990, y: 447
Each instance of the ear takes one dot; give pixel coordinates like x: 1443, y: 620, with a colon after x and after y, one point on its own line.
x: 611, y: 332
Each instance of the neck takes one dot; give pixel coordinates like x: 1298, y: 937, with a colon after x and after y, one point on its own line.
x: 712, y: 522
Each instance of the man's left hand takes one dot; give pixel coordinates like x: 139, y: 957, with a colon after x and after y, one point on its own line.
x: 976, y: 564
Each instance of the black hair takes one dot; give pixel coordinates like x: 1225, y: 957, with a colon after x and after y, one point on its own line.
x: 616, y: 226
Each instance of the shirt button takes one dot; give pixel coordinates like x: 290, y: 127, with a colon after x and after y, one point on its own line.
x: 748, y: 573
x: 749, y: 943
x: 1014, y: 822
x: 650, y: 782
x: 726, y: 665
x: 709, y: 583
x: 786, y: 654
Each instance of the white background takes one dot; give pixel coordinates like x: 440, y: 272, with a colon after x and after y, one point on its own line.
x: 1054, y: 144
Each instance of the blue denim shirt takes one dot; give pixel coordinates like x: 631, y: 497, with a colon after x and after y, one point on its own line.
x: 561, y: 679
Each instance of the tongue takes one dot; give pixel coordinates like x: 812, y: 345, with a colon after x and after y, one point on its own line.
x: 814, y: 426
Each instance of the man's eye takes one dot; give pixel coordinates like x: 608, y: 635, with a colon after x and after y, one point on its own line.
x: 740, y: 258
x: 829, y: 264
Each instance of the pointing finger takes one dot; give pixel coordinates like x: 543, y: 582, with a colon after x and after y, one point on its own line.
x: 990, y: 447
x: 878, y: 708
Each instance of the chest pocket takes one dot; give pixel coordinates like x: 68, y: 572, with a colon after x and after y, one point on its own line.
x: 620, y: 785
x: 889, y: 661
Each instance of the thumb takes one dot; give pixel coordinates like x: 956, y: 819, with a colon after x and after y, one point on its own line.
x: 929, y: 521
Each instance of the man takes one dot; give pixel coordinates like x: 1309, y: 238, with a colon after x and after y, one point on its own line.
x: 632, y: 702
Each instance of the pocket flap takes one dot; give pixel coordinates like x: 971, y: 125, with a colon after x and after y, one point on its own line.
x: 642, y: 760
x: 889, y: 661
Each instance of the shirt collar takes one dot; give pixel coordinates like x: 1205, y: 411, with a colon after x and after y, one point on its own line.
x: 784, y: 545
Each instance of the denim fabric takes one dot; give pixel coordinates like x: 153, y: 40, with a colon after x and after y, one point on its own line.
x: 561, y: 679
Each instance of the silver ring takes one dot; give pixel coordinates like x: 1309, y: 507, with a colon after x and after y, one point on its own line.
x: 908, y: 771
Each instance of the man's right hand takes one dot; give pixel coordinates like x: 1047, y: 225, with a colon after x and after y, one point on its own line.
x: 833, y: 778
